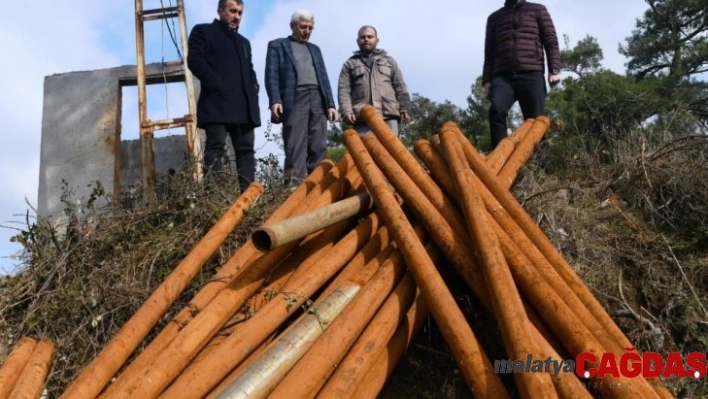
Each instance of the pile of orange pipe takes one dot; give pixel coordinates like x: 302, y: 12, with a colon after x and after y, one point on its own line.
x: 25, y: 370
x: 330, y: 313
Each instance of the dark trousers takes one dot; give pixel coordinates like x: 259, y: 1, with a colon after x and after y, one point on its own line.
x: 304, y: 135
x: 242, y: 139
x: 529, y: 88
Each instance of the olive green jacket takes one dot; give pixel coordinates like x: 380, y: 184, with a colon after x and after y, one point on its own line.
x: 380, y: 85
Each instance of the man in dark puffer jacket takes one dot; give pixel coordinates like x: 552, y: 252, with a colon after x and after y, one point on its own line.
x: 517, y: 36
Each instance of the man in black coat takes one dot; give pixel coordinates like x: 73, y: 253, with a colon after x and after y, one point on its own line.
x: 220, y: 58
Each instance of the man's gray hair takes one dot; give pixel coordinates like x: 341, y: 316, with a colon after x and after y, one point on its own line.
x: 301, y: 15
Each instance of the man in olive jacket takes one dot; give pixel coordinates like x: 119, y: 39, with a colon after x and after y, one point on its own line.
x: 517, y: 36
x: 371, y: 76
x: 220, y: 58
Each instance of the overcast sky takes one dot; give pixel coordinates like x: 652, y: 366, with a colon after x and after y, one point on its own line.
x: 438, y: 45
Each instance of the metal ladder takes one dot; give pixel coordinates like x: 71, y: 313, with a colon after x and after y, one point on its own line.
x: 147, y: 126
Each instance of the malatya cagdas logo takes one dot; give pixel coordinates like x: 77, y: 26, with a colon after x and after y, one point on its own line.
x: 630, y: 364
x: 648, y: 365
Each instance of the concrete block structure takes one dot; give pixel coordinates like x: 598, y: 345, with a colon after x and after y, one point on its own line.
x: 81, y: 135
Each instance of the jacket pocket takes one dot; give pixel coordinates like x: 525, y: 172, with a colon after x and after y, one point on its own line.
x: 390, y: 107
x: 358, y: 73
x: 385, y: 70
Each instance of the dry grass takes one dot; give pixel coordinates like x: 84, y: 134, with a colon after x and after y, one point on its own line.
x: 80, y: 282
x: 641, y: 221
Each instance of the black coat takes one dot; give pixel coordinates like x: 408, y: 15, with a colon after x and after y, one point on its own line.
x: 516, y: 38
x: 221, y: 60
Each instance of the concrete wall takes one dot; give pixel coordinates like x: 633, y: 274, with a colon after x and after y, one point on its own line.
x: 81, y: 135
x: 170, y: 153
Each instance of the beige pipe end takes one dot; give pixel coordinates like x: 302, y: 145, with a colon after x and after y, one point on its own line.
x: 264, y: 239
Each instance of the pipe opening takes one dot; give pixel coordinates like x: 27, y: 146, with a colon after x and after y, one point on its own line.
x: 262, y: 239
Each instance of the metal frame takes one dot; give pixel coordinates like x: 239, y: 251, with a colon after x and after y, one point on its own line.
x: 148, y: 127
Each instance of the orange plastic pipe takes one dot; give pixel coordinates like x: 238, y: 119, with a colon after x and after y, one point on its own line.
x: 155, y: 377
x: 436, y: 213
x: 34, y: 374
x: 258, y: 380
x: 312, y: 370
x: 528, y: 247
x: 202, y: 376
x: 375, y: 336
x: 563, y: 382
x: 404, y: 160
x: 251, y: 359
x: 453, y: 241
x: 506, y: 201
x: 473, y: 362
x: 374, y: 376
x: 308, y: 375
x: 226, y: 273
x: 499, y: 156
x: 98, y: 373
x: 523, y: 151
x: 519, y: 134
x: 14, y: 363
x: 579, y: 330
x: 534, y: 233
x: 247, y: 256
x: 568, y: 385
x: 564, y: 318
x: 440, y: 171
x: 363, y: 266
x: 272, y: 284
x: 509, y: 310
x: 435, y: 141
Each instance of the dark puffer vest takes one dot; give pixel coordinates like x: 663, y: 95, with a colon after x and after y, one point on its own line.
x: 517, y: 35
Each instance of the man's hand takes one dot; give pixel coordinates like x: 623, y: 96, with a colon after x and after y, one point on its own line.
x: 332, y: 114
x: 554, y: 79
x: 350, y: 119
x: 405, y: 117
x: 486, y: 90
x: 276, y: 111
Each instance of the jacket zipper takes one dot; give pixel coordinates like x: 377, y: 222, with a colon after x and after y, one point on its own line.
x: 371, y: 74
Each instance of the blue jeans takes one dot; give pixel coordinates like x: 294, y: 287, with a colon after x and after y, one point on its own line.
x: 527, y: 87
